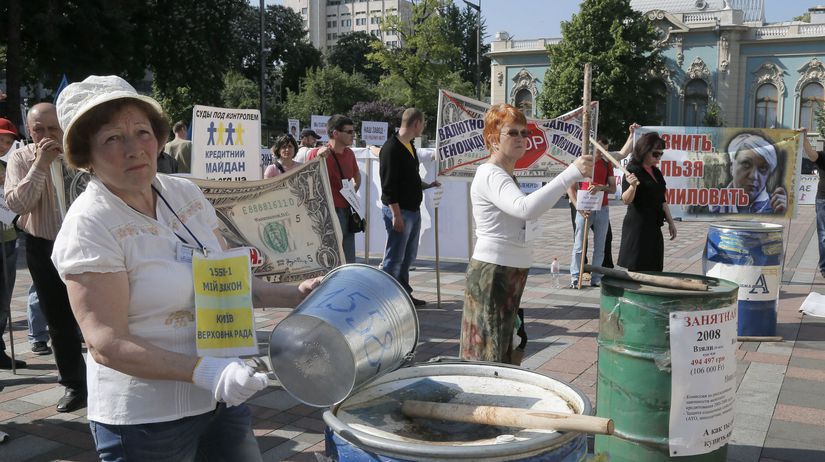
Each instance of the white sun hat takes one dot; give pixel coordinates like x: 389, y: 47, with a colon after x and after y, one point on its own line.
x: 78, y: 98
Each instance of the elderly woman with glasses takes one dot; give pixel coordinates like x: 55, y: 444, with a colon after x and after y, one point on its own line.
x: 505, y: 221
x: 284, y: 151
x: 643, y: 190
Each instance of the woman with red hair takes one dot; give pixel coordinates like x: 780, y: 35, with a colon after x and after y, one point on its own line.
x: 505, y: 226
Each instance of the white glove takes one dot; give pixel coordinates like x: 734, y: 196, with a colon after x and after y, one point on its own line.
x: 229, y: 379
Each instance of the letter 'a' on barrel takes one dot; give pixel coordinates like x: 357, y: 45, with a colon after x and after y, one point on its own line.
x: 357, y: 324
x: 369, y: 426
x: 634, y: 369
x: 749, y: 254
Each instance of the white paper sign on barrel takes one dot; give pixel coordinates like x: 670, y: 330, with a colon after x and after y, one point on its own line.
x: 703, y: 386
x: 226, y: 143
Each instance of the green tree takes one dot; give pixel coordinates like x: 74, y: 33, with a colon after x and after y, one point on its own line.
x: 806, y: 17
x: 619, y: 42
x: 460, y: 27
x: 714, y: 116
x: 819, y: 116
x: 239, y: 92
x: 48, y: 38
x: 192, y: 49
x: 377, y: 111
x: 349, y: 51
x: 420, y: 65
x: 327, y: 91
x: 288, y: 53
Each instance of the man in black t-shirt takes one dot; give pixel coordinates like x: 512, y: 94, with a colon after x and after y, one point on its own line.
x: 401, y: 194
x: 818, y: 158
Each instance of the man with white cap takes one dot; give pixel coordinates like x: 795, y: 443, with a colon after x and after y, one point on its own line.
x: 30, y: 192
x: 753, y: 160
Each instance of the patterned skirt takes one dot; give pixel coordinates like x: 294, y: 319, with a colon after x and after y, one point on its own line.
x: 491, y: 301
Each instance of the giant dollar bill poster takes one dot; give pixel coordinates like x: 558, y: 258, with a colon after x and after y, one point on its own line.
x: 287, y: 220
x: 729, y: 173
x: 226, y: 143
x: 552, y: 146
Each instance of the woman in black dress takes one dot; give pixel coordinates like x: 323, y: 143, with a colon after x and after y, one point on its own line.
x: 643, y: 247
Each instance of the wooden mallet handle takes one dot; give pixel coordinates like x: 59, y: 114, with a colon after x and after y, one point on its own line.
x: 652, y: 279
x: 507, y: 417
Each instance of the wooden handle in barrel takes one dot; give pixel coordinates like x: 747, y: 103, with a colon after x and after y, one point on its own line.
x: 507, y: 417
x: 753, y: 338
x: 652, y: 279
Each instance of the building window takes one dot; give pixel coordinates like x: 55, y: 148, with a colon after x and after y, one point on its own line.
x: 375, y: 33
x: 660, y: 92
x: 524, y: 101
x: 812, y: 100
x: 696, y: 103
x: 303, y: 11
x: 360, y: 21
x: 767, y: 101
x: 375, y: 20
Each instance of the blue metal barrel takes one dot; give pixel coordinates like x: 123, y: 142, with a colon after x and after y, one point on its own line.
x: 749, y: 254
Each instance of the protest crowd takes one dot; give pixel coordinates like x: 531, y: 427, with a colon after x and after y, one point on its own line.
x: 117, y: 269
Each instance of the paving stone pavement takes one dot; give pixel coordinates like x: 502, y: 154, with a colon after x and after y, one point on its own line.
x: 780, y: 412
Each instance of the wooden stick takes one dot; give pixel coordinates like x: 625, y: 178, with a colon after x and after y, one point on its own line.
x: 652, y: 279
x: 507, y: 417
x: 437, y: 264
x: 752, y: 338
x: 584, y: 250
x: 586, y: 109
x: 610, y: 157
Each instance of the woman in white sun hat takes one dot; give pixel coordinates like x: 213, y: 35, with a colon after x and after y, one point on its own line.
x: 121, y: 251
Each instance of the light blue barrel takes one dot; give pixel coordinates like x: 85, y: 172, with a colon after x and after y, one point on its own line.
x: 368, y: 426
x: 749, y: 254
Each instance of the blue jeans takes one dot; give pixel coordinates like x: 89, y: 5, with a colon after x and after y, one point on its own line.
x: 347, y: 238
x: 599, y: 220
x: 820, y: 231
x: 38, y: 327
x: 224, y: 434
x: 8, y: 268
x: 402, y: 248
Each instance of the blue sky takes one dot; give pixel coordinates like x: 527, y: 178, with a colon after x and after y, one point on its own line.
x: 526, y: 19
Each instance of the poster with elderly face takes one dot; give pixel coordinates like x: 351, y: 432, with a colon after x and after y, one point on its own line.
x: 729, y: 173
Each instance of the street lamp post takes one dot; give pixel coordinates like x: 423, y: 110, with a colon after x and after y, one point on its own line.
x: 478, y: 45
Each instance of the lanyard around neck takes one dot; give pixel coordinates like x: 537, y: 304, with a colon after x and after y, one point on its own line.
x: 202, y: 248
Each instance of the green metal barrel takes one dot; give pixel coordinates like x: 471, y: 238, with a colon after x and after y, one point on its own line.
x: 634, y: 383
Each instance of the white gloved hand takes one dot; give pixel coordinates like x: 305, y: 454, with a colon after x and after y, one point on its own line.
x: 229, y: 379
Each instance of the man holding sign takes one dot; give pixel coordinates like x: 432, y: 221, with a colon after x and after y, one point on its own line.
x: 590, y: 199
x: 344, y: 176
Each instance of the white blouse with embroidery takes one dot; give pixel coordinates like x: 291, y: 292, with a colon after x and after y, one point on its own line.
x: 102, y: 234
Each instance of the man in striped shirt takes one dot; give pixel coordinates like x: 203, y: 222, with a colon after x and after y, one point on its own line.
x: 30, y: 192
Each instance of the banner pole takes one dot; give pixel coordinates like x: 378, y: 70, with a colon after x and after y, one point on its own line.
x: 368, y: 171
x: 584, y: 251
x: 585, y: 151
x: 437, y: 263
x: 469, y: 225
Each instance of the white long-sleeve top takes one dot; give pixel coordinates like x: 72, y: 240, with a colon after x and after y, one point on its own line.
x: 502, y: 212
